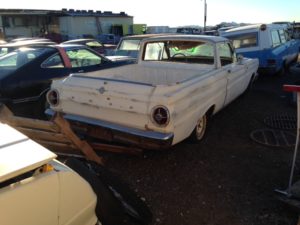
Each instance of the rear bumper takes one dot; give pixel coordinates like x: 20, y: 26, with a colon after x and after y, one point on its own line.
x: 113, y: 132
x: 268, y: 70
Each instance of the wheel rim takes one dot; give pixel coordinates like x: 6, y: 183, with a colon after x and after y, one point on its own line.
x: 200, y: 127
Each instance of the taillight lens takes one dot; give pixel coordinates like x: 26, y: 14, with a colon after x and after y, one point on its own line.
x: 160, y: 116
x: 53, y: 97
x: 271, y: 62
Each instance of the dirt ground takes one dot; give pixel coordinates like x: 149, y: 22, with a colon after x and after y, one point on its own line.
x: 226, y: 179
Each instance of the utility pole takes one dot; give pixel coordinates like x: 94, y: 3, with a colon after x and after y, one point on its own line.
x: 205, y: 15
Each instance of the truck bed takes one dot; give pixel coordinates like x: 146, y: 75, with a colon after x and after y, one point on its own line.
x: 154, y: 73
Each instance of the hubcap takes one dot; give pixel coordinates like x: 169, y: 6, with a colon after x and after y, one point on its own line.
x: 200, y: 127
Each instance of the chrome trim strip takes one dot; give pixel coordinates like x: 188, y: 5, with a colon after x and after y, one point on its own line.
x: 114, y: 80
x: 133, y: 131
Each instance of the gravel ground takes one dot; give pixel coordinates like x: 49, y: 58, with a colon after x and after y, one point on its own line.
x: 227, y: 178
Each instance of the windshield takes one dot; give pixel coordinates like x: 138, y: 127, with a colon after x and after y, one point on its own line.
x: 180, y: 51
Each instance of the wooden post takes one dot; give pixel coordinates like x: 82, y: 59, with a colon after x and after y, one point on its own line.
x: 80, y: 144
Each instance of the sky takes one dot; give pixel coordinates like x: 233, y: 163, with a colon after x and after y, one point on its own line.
x: 175, y: 13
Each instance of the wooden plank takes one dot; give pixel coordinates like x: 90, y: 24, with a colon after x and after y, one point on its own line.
x: 4, y: 111
x: 116, y: 148
x: 31, y: 123
x: 80, y: 144
x: 44, y: 135
x: 6, y: 116
x: 56, y: 144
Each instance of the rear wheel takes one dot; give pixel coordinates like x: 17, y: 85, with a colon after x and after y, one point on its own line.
x: 200, y: 129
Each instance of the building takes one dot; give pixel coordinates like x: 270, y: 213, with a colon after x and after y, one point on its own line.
x: 67, y: 24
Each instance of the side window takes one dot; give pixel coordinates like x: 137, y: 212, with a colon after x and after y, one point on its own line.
x: 244, y: 40
x: 53, y: 62
x: 282, y: 36
x: 3, y: 51
x: 275, y: 38
x: 226, y: 54
x: 83, y: 57
x: 154, y: 51
x: 9, y: 60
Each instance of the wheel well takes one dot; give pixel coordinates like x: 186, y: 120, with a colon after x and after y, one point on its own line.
x: 210, y: 111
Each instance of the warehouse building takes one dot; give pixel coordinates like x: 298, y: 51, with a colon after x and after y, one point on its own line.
x: 66, y: 24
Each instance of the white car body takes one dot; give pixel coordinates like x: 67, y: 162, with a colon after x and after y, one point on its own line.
x: 36, y: 189
x: 123, y: 99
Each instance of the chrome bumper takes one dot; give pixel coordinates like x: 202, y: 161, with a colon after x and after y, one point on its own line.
x: 127, y: 135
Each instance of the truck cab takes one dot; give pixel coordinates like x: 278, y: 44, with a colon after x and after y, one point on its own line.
x: 270, y: 43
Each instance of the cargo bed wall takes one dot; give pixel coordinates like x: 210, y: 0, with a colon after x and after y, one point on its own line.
x: 154, y: 73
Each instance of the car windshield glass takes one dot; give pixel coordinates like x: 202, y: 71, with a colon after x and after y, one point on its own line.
x: 129, y: 45
x: 180, y: 51
x: 83, y: 57
x: 93, y: 44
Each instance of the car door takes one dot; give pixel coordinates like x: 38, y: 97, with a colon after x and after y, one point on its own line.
x: 236, y: 73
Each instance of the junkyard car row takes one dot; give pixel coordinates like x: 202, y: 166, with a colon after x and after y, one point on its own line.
x: 154, y: 93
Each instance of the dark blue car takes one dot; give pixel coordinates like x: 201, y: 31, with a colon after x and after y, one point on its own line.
x: 26, y: 74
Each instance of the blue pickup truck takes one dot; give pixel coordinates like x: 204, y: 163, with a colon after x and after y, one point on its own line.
x: 270, y: 43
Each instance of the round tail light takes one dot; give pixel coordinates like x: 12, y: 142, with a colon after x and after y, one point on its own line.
x: 53, y: 97
x: 160, y: 116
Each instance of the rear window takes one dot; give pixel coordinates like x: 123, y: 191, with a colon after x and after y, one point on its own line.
x: 129, y: 45
x: 18, y: 58
x: 180, y: 51
x: 244, y: 40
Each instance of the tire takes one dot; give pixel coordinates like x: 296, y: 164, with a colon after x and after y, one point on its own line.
x: 118, y: 203
x: 132, y: 204
x: 200, y: 129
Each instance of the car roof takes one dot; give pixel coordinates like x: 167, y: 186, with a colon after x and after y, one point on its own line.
x: 79, y: 40
x: 19, y: 154
x: 141, y: 36
x: 187, y: 37
x: 253, y: 27
x: 26, y: 43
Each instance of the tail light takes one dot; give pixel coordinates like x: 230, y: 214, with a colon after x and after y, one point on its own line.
x: 160, y: 116
x: 53, y: 97
x: 271, y: 62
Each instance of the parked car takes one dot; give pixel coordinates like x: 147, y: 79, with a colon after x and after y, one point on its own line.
x: 130, y: 45
x: 93, y: 44
x: 26, y: 73
x: 37, y: 189
x: 108, y: 38
x: 28, y: 39
x: 11, y: 46
x: 178, y: 82
x: 270, y: 43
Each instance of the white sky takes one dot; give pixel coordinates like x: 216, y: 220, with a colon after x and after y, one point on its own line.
x: 178, y: 13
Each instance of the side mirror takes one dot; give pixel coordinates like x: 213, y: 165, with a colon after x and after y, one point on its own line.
x: 240, y: 59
